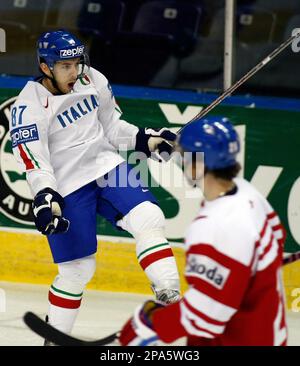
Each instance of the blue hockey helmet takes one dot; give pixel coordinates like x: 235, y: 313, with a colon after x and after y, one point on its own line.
x: 58, y: 46
x: 214, y: 136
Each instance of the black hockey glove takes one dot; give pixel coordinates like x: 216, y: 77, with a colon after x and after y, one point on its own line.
x: 47, y: 211
x: 152, y: 141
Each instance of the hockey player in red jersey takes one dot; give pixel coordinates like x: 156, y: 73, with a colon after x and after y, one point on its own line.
x: 234, y: 253
x: 66, y: 131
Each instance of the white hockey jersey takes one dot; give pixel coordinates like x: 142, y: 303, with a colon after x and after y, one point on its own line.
x: 233, y: 268
x: 66, y: 141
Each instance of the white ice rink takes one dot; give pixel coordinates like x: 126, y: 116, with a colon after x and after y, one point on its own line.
x: 101, y: 314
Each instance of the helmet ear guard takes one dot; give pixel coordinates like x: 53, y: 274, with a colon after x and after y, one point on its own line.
x: 84, y: 65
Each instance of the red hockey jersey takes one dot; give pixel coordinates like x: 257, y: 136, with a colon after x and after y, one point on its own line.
x: 233, y: 267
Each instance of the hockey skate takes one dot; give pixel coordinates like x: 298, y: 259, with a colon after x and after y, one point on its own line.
x: 166, y: 296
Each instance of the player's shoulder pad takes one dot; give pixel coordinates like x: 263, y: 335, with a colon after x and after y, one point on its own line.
x: 230, y: 235
x: 27, y: 117
x: 236, y: 234
x: 201, y: 230
x: 101, y: 82
x: 30, y: 97
x: 26, y: 112
x: 97, y: 77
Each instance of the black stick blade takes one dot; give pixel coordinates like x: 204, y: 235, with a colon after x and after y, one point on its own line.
x: 48, y: 332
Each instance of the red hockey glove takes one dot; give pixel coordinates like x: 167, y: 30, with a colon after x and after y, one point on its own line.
x: 138, y: 330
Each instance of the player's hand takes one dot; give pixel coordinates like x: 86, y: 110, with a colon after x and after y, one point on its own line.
x: 138, y: 330
x: 155, y: 141
x: 47, y: 211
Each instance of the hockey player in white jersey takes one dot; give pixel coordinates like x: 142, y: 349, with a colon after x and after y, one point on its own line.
x: 66, y: 129
x: 233, y: 256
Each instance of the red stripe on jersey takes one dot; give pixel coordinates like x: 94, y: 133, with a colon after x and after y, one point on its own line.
x: 282, y: 240
x: 154, y: 257
x: 281, y: 228
x: 232, y: 293
x: 210, y: 251
x: 277, y: 227
x: 63, y: 303
x: 193, y: 322
x: 263, y: 230
x: 234, y: 286
x: 257, y: 243
x: 202, y: 315
x: 267, y: 248
x: 26, y: 160
x: 271, y: 215
x: 274, y: 229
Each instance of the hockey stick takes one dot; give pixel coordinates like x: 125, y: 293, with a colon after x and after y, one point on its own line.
x: 54, y: 335
x: 165, y: 146
x: 244, y: 78
x: 291, y: 258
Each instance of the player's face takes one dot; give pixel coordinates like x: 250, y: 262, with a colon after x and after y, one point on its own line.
x: 194, y: 172
x: 65, y: 73
x: 192, y: 165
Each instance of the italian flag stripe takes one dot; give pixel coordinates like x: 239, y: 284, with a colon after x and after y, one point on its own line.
x: 118, y: 110
x: 64, y: 293
x: 26, y: 160
x: 31, y: 156
x: 84, y: 80
x: 63, y: 303
x: 154, y: 257
x: 152, y: 249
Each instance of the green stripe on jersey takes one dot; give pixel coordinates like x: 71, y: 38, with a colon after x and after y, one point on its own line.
x: 31, y: 156
x: 83, y: 81
x: 152, y: 248
x: 118, y: 110
x: 66, y: 293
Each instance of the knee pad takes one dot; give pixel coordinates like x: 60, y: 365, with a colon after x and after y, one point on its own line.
x: 74, y: 275
x: 146, y: 222
x: 144, y: 217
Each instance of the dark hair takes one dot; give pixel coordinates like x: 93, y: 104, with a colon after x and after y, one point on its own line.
x: 225, y: 173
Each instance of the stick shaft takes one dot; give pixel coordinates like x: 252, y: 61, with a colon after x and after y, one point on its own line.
x: 244, y: 78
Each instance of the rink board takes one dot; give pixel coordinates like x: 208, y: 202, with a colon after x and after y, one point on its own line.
x: 26, y: 257
x: 268, y: 129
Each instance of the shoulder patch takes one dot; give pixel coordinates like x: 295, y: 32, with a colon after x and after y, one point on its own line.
x: 85, y: 80
x: 207, y: 269
x: 24, y: 134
